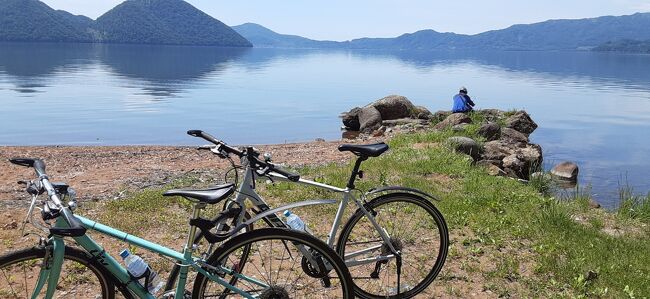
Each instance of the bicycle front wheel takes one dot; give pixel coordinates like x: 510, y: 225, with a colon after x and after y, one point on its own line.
x: 416, y: 229
x: 80, y: 278
x: 282, y: 263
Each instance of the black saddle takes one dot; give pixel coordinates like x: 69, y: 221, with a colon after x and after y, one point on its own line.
x: 210, y: 196
x: 365, y: 150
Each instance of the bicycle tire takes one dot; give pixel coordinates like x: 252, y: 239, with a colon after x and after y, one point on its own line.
x: 287, y: 239
x: 72, y: 273
x: 382, y: 205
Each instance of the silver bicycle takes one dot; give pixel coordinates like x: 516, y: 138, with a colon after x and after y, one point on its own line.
x: 394, y: 244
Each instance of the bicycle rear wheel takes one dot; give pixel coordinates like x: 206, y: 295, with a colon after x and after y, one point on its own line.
x: 416, y: 229
x: 80, y: 277
x: 277, y: 263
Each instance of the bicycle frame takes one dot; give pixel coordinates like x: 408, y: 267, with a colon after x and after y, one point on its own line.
x: 246, y: 190
x: 51, y: 269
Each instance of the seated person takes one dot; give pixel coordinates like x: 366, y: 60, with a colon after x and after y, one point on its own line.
x: 462, y: 102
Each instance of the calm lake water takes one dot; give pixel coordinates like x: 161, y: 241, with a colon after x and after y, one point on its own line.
x: 592, y: 108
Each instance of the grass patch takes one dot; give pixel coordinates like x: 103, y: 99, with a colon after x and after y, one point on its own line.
x: 633, y: 206
x: 519, y: 225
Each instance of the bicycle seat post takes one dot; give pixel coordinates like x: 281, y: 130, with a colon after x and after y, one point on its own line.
x: 355, y: 171
x: 196, y: 214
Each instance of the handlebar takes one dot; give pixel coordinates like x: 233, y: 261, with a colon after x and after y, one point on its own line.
x: 210, y: 138
x: 250, y: 153
x: 75, y: 229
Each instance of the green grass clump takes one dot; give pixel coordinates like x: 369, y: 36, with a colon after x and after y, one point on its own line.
x: 533, y: 240
x: 633, y: 206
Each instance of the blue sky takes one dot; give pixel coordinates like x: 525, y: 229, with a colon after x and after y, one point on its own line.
x: 343, y: 20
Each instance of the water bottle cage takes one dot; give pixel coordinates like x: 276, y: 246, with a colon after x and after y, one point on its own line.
x: 146, y: 275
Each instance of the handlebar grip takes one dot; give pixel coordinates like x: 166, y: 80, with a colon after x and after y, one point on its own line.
x: 204, y: 135
x: 75, y: 229
x: 291, y: 176
x: 195, y: 133
x: 27, y: 162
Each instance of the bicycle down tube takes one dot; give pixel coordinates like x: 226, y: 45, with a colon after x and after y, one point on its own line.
x: 247, y: 191
x: 113, y: 266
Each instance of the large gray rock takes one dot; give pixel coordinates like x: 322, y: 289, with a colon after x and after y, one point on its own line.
x: 452, y: 120
x: 521, y: 122
x: 518, y: 159
x: 523, y: 161
x: 351, y: 119
x: 532, y: 155
x: 497, y: 150
x: 565, y: 171
x: 421, y: 112
x: 465, y: 145
x: 369, y: 119
x: 513, y: 136
x: 394, y: 107
x: 514, y: 166
x: 491, y: 131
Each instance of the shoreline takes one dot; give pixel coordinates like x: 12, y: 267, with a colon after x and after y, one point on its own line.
x: 99, y: 172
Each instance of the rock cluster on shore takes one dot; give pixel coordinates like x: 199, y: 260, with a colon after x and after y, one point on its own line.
x: 386, y: 112
x: 505, y: 150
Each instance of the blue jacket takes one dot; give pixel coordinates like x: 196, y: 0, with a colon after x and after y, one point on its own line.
x: 462, y: 103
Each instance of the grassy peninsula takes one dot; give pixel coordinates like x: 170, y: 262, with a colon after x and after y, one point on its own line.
x: 508, y: 239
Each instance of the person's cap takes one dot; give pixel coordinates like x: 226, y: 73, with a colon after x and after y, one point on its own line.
x: 462, y: 88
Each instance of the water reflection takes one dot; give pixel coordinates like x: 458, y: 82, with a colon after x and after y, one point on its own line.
x: 611, y: 69
x: 159, y: 71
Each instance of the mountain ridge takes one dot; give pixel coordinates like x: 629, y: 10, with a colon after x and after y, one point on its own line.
x: 555, y: 34
x: 173, y: 22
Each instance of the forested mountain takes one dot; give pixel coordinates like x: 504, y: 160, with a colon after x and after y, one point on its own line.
x: 548, y: 35
x: 164, y: 22
x: 134, y: 21
x: 32, y: 20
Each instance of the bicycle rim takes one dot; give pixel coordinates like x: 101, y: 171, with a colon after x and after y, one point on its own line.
x: 417, y: 230
x: 276, y: 262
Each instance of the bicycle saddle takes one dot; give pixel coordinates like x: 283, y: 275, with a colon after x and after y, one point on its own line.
x: 210, y: 196
x: 368, y: 150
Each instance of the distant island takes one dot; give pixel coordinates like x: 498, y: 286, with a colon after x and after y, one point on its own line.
x: 583, y: 34
x: 627, y: 45
x: 173, y: 22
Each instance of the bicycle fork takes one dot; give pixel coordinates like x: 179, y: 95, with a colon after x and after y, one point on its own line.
x: 51, y: 267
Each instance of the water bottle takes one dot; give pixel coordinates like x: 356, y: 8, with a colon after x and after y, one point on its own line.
x: 295, y: 222
x: 137, y: 267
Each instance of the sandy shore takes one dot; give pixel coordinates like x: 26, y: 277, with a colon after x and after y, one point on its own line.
x: 100, y: 172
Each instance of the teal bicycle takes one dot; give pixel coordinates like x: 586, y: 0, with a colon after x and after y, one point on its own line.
x: 263, y: 263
